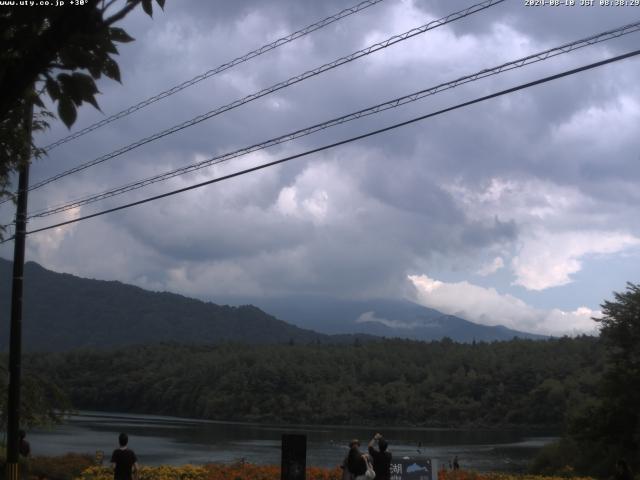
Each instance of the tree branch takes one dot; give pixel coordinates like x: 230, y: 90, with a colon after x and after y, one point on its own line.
x: 60, y: 66
x: 108, y: 5
x: 122, y: 13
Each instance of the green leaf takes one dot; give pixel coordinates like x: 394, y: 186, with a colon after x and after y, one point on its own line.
x: 53, y: 89
x: 64, y: 81
x: 147, y: 6
x: 85, y: 87
x: 66, y: 57
x: 95, y: 70
x: 76, y: 57
x: 67, y: 111
x: 84, y: 83
x: 161, y: 3
x: 92, y: 100
x: 119, y: 35
x: 68, y: 89
x: 37, y: 101
x: 111, y: 69
x: 109, y: 47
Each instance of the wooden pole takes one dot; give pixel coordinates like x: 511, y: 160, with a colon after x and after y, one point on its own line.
x: 15, y: 339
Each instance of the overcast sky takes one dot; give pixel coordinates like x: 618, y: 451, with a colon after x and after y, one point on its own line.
x: 519, y: 211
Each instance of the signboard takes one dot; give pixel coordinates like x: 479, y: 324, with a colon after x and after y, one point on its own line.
x: 411, y: 468
x: 294, y: 457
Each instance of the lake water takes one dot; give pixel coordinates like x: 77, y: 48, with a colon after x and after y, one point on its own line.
x: 170, y: 440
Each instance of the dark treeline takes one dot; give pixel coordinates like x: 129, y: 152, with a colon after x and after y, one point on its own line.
x: 520, y: 382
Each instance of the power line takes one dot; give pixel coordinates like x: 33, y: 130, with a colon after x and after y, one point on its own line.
x: 219, y: 69
x: 343, y: 142
x: 530, y: 59
x: 293, y: 80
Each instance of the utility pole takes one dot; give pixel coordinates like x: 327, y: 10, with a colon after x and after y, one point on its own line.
x: 15, y: 339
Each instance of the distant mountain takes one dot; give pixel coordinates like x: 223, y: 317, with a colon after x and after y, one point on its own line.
x: 384, y: 318
x: 63, y: 312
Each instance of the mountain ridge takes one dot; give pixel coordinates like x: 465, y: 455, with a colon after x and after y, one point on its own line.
x: 379, y: 317
x: 63, y: 312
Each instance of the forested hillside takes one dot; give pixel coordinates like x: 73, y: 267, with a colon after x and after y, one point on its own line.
x: 63, y: 312
x: 388, y: 382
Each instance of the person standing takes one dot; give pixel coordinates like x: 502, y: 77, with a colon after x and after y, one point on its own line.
x: 23, y: 446
x: 24, y: 449
x: 355, y: 464
x: 622, y: 471
x: 124, y: 460
x: 381, y: 457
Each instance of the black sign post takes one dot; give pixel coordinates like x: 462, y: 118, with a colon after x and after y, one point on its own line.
x: 294, y: 457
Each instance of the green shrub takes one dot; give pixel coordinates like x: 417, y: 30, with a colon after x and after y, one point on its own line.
x: 555, y: 459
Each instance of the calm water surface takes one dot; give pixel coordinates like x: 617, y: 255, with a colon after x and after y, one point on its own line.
x: 169, y: 440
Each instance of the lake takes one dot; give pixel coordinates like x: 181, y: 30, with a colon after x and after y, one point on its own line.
x: 171, y: 440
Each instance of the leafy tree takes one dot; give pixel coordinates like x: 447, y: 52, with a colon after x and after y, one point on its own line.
x: 43, y: 401
x: 607, y: 427
x: 60, y: 52
x: 620, y: 409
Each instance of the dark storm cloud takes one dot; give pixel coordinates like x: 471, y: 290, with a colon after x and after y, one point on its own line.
x: 544, y: 24
x: 356, y: 219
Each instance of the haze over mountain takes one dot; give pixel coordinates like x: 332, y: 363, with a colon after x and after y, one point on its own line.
x: 62, y: 312
x: 380, y: 317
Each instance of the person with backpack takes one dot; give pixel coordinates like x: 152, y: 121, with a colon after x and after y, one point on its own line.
x: 354, y: 466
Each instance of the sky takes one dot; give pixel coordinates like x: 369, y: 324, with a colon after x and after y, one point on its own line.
x: 519, y: 211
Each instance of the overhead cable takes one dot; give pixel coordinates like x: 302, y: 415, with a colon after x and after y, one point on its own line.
x: 521, y: 62
x: 278, y: 86
x: 219, y: 69
x: 342, y: 142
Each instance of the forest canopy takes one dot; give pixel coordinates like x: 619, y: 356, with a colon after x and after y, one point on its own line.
x: 396, y: 382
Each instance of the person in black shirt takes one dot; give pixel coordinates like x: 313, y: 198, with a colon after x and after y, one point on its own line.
x: 622, y: 471
x: 124, y: 460
x: 381, y: 457
x: 23, y: 446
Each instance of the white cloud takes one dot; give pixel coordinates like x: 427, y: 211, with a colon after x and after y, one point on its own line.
x: 488, y: 307
x: 442, y: 46
x: 371, y: 317
x: 527, y: 201
x: 549, y: 259
x: 46, y: 245
x: 315, y: 206
x: 492, y: 267
x: 558, y: 230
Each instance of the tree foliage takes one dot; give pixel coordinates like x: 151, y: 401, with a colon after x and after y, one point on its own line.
x: 392, y: 382
x: 43, y: 402
x: 58, y: 52
x: 608, y: 428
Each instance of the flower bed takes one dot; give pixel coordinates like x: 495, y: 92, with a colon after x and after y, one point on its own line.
x: 74, y: 467
x: 469, y: 475
x: 237, y: 471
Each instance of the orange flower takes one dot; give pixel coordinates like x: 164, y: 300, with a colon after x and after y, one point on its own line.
x: 470, y: 475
